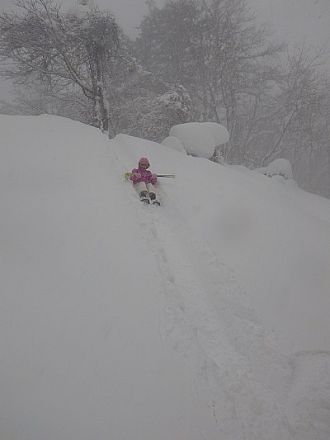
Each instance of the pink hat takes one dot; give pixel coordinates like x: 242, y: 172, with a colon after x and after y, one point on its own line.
x: 144, y: 161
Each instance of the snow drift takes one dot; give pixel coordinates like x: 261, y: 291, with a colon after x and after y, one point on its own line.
x: 204, y: 318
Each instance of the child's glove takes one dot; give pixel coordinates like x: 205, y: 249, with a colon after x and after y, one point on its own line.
x: 135, y: 176
x: 153, y: 179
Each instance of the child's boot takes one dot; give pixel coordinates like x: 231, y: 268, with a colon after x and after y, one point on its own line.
x: 144, y: 197
x: 153, y: 199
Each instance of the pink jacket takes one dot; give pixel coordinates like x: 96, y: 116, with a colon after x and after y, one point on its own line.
x: 142, y: 175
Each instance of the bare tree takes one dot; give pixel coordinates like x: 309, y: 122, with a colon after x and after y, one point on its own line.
x: 292, y: 104
x: 39, y: 39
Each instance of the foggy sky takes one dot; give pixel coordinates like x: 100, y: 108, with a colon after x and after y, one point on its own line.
x: 292, y: 19
x: 296, y: 21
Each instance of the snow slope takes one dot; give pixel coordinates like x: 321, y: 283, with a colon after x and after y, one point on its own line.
x: 205, y: 318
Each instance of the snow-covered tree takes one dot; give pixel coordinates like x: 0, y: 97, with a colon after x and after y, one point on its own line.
x: 71, y: 48
x: 212, y: 47
x: 146, y: 106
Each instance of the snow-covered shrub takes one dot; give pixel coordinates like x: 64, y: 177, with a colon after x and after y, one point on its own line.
x: 176, y: 104
x: 200, y: 138
x: 174, y: 143
x: 148, y: 107
x: 219, y: 132
x: 279, y: 167
x: 141, y: 117
x: 144, y: 117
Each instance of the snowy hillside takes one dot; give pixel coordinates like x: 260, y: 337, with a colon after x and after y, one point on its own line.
x: 203, y: 319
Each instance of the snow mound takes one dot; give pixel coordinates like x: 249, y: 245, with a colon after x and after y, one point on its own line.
x: 174, y: 143
x: 157, y: 340
x: 279, y: 167
x: 200, y: 138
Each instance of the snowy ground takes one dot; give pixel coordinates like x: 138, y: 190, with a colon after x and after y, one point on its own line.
x: 204, y: 319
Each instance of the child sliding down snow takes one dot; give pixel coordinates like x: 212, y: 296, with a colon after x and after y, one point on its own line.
x: 144, y: 182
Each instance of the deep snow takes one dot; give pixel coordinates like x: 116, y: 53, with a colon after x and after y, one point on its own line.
x: 206, y: 318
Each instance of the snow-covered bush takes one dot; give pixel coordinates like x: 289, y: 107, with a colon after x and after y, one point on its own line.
x: 174, y: 143
x: 176, y: 104
x: 218, y: 131
x: 279, y: 167
x: 146, y: 106
x: 200, y: 138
